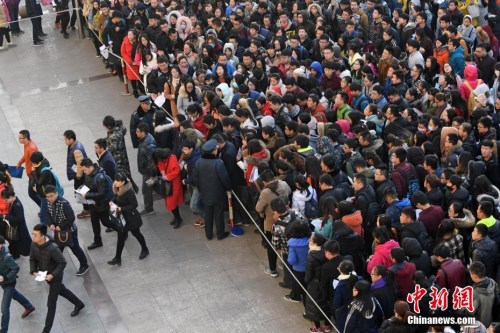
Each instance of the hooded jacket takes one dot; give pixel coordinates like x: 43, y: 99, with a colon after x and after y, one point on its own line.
x: 227, y: 94
x: 394, y: 211
x: 42, y: 178
x: 403, y: 275
x: 115, y: 142
x: 413, y: 249
x: 145, y: 163
x: 183, y: 34
x: 457, y: 60
x: 355, y: 222
x: 382, y: 255
x: 272, y: 190
x: 467, y: 221
x: 299, y: 198
x: 483, y: 300
x: 470, y: 75
x: 319, y: 70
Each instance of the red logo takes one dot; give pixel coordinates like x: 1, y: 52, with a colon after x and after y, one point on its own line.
x: 462, y: 298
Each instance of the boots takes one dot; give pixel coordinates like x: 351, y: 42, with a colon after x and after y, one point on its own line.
x: 144, y: 253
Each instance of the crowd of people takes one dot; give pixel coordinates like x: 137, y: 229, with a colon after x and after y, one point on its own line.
x: 360, y: 137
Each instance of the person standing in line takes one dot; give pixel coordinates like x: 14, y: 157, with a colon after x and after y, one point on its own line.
x: 8, y: 278
x: 126, y: 202
x: 34, y: 11
x: 45, y: 256
x: 212, y: 180
x: 106, y: 161
x: 168, y: 166
x: 76, y: 153
x: 13, y: 8
x: 146, y: 166
x: 115, y: 143
x: 96, y: 181
x: 29, y: 148
x: 61, y: 217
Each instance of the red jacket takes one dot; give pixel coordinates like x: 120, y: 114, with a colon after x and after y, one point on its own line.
x: 382, y: 255
x: 170, y: 167
x: 431, y: 218
x: 355, y: 222
x: 455, y: 272
x: 403, y: 275
x: 126, y: 51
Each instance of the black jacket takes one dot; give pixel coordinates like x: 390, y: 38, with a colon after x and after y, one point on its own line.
x: 140, y: 116
x: 435, y: 197
x: 363, y: 199
x: 98, y: 188
x: 156, y: 81
x: 415, y: 253
x: 16, y: 218
x: 127, y: 201
x: 47, y: 257
x: 386, y: 296
x: 315, y: 259
x: 228, y: 155
x: 411, y: 230
x: 107, y: 162
x: 395, y: 325
x: 212, y: 180
x: 42, y: 178
x: 485, y: 250
x: 329, y: 272
x: 60, y: 214
x: 145, y: 161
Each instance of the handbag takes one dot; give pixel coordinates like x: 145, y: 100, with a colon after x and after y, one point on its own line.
x: 117, y: 222
x: 11, y: 232
x: 163, y: 187
x: 16, y: 172
x: 63, y: 238
x: 473, y: 11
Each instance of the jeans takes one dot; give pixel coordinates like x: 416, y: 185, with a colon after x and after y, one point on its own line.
x: 9, y: 293
x: 121, y: 241
x: 57, y: 288
x: 147, y: 193
x: 44, y: 209
x: 33, y: 195
x: 96, y: 217
x: 77, y: 249
x: 195, y: 204
x: 214, y: 214
x: 14, y: 15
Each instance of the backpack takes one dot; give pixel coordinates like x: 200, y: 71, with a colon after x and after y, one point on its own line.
x: 413, y: 185
x: 109, y: 185
x: 372, y: 212
x: 311, y: 209
x: 57, y: 184
x: 425, y: 240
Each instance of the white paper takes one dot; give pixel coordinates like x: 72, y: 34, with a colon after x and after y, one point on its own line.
x: 82, y: 190
x: 242, y: 165
x: 160, y: 100
x: 104, y: 52
x: 74, y: 167
x: 317, y: 224
x: 40, y: 276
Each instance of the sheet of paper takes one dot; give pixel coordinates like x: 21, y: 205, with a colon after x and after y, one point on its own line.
x: 41, y: 276
x: 242, y: 165
x: 74, y: 167
x: 160, y: 100
x: 82, y: 190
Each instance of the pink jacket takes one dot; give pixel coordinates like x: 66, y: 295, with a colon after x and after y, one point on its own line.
x: 382, y: 255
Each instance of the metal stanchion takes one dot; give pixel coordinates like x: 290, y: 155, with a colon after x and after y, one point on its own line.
x: 124, y: 71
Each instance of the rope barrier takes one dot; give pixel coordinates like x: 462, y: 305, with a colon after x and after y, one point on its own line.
x: 285, y: 264
x: 49, y: 13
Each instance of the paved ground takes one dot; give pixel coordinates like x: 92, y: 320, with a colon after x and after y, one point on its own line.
x: 187, y: 283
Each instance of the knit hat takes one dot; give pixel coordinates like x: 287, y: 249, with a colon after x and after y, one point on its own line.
x: 481, y: 99
x: 267, y: 121
x: 300, y: 72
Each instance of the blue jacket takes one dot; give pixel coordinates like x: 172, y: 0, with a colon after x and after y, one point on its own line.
x: 229, y: 67
x: 457, y: 60
x: 394, y: 211
x: 298, y: 248
x: 191, y: 162
x: 107, y: 162
x: 70, y: 159
x: 359, y: 102
x: 236, y: 98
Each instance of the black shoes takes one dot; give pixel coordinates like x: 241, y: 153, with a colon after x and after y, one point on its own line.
x: 38, y: 43
x: 94, y: 246
x: 83, y: 269
x: 223, y: 235
x: 115, y: 261
x: 144, y: 254
x: 42, y: 34
x: 177, y: 223
x: 66, y: 35
x: 77, y: 310
x: 283, y: 285
x: 109, y: 230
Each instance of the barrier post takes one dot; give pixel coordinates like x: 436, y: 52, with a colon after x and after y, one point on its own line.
x: 124, y: 71
x: 78, y: 19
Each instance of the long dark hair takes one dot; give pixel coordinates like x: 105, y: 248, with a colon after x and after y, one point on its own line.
x: 313, y: 170
x: 329, y: 208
